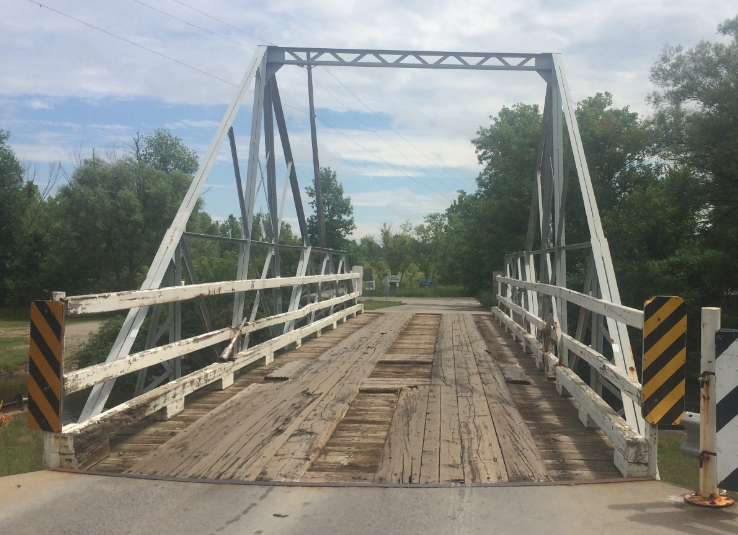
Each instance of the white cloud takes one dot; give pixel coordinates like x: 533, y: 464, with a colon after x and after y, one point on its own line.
x: 39, y: 105
x: 607, y: 45
x: 192, y: 124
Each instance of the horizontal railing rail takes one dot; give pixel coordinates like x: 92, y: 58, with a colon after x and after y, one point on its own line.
x: 92, y: 375
x: 634, y: 453
x: 110, y: 302
x: 627, y: 315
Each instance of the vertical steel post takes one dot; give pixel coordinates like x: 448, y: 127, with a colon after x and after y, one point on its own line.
x: 316, y: 162
x: 708, y: 494
x: 177, y: 324
x: 271, y: 187
x: 250, y: 192
x: 708, y: 432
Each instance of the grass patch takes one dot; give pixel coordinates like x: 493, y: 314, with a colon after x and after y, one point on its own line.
x: 21, y: 449
x: 675, y: 467
x: 376, y: 304
x: 678, y: 469
x: 14, y: 336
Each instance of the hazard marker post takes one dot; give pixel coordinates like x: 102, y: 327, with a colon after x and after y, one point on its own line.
x: 664, y: 360
x: 45, y: 367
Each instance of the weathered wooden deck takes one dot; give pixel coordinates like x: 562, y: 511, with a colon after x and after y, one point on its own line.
x: 384, y: 398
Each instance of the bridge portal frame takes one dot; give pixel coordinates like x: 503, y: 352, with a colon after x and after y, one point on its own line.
x: 547, y: 213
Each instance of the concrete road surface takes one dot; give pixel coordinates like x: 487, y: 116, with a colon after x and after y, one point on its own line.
x: 63, y: 503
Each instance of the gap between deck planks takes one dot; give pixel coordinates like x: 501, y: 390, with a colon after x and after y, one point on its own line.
x: 276, y: 433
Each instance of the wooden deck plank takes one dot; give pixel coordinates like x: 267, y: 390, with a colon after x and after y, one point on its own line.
x: 522, y: 459
x: 482, y: 457
x: 243, y: 426
x: 287, y: 371
x: 552, y: 420
x: 514, y: 374
x: 357, y: 443
x: 287, y: 460
x: 403, y: 449
x: 406, y: 359
x: 387, y: 384
x: 441, y: 376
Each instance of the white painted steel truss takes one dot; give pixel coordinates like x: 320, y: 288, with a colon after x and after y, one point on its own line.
x: 546, y: 218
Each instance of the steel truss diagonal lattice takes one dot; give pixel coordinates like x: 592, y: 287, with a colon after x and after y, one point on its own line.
x: 547, y: 221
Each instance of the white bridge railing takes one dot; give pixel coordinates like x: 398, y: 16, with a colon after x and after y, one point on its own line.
x: 557, y: 353
x: 80, y: 445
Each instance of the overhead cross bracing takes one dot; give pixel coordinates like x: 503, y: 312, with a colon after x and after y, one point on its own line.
x: 405, y: 59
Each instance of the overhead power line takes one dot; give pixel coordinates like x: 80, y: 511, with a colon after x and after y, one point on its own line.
x: 223, y: 80
x: 133, y: 43
x: 224, y: 22
x: 395, y: 131
x: 382, y: 159
x: 193, y: 25
x: 377, y: 134
x: 323, y: 87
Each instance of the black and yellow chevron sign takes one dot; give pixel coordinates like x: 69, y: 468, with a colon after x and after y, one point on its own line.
x: 664, y: 359
x: 45, y: 366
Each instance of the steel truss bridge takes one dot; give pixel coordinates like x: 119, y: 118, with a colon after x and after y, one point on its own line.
x: 437, y: 368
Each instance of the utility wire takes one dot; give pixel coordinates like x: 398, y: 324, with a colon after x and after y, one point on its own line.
x: 227, y: 82
x: 324, y: 88
x: 395, y: 131
x: 377, y: 134
x: 193, y: 25
x: 382, y: 159
x: 133, y: 43
x: 224, y: 22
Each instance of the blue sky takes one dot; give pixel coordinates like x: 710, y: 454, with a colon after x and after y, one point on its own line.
x: 65, y: 86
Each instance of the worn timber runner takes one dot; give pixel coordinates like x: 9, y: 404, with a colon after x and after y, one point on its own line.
x: 384, y: 398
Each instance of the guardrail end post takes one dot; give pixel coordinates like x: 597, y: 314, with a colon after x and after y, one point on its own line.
x: 708, y: 494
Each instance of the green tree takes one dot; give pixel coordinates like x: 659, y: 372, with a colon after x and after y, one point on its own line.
x: 397, y: 248
x: 371, y: 253
x: 339, y: 221
x: 165, y: 152
x: 486, y: 225
x: 430, y: 244
x: 22, y: 238
x: 109, y: 222
x: 695, y: 126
